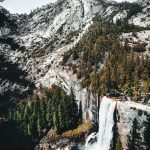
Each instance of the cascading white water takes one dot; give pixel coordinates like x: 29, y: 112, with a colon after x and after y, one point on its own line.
x: 106, y: 124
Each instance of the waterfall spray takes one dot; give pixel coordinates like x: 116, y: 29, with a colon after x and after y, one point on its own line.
x: 106, y: 124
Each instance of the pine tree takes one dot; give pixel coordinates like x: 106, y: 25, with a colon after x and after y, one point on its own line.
x: 134, y: 138
x: 39, y: 124
x: 49, y: 113
x: 73, y: 111
x: 43, y: 112
x: 80, y: 113
x: 29, y: 129
x: 55, y: 122
x: 61, y: 118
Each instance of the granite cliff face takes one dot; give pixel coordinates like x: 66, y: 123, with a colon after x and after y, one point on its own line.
x: 127, y: 125
x: 133, y: 124
x: 36, y: 42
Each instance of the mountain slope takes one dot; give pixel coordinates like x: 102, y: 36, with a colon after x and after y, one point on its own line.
x: 41, y: 38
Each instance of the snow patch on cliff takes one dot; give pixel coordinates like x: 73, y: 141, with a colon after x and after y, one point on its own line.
x: 142, y: 37
x: 132, y: 116
x: 142, y: 19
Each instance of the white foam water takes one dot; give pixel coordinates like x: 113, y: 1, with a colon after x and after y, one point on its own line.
x: 106, y: 124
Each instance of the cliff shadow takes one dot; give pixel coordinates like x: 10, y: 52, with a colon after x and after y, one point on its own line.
x: 12, y: 138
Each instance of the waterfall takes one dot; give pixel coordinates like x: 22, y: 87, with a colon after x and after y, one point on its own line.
x: 106, y: 124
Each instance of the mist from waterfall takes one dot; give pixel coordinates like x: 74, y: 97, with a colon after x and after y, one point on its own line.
x: 106, y: 124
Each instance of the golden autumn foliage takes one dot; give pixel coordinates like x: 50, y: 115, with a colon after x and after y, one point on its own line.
x: 81, y: 130
x: 77, y: 133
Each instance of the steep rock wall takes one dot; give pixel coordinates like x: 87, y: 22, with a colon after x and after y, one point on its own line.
x: 133, y: 123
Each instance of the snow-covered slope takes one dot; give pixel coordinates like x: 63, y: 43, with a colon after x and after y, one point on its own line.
x: 52, y: 24
x: 36, y: 42
x: 142, y: 18
x: 40, y: 40
x: 142, y: 37
x: 7, y: 22
x: 14, y: 81
x: 133, y: 118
